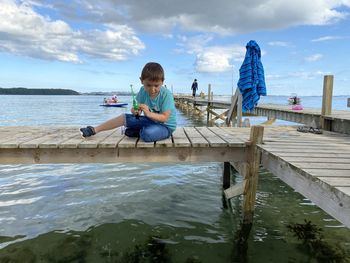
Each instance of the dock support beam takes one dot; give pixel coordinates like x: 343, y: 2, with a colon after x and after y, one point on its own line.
x: 251, y: 173
x: 226, y: 179
x: 209, y: 103
x: 327, y: 102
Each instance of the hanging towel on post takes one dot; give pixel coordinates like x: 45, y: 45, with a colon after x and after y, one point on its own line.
x: 251, y: 81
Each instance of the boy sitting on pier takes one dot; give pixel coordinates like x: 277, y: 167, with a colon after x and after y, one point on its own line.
x: 157, y: 104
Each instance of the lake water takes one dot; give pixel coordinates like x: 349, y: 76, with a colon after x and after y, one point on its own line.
x: 143, y: 212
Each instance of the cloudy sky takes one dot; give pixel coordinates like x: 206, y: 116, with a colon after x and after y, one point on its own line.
x: 102, y: 45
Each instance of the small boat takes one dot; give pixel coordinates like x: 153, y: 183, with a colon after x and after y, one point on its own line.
x: 112, y: 102
x: 118, y: 104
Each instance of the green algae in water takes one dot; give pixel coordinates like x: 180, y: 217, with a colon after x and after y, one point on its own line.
x: 154, y: 250
x: 4, y: 239
x: 314, y: 243
x: 126, y: 242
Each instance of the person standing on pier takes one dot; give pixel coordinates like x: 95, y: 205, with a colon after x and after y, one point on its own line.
x: 157, y: 104
x: 194, y: 87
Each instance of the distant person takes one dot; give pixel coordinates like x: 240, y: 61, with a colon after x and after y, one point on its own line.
x: 194, y: 87
x: 157, y: 104
x: 114, y: 99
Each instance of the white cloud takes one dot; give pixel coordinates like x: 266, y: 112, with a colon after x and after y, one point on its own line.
x: 218, y: 58
x: 210, y: 59
x: 314, y: 57
x: 327, y: 38
x: 279, y: 44
x: 25, y: 32
x: 221, y: 16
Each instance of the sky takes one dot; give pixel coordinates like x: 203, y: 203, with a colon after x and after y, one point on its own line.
x: 95, y: 46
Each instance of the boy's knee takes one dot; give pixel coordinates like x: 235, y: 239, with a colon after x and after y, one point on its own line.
x: 152, y: 134
x: 147, y: 136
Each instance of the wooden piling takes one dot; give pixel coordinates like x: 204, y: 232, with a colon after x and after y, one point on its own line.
x: 226, y: 178
x: 327, y: 101
x: 209, y: 104
x: 251, y: 173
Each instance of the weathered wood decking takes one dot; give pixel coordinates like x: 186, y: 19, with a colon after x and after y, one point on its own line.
x: 337, y: 121
x: 65, y: 145
x: 317, y: 166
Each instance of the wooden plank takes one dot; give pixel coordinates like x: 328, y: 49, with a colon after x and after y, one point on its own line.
x: 165, y: 143
x: 127, y: 155
x: 180, y: 138
x: 143, y: 144
x: 9, y: 132
x: 233, y: 105
x: 301, y: 150
x: 71, y: 143
x: 317, y: 160
x: 345, y: 190
x: 310, y: 146
x: 314, y: 154
x: 231, y: 139
x: 93, y: 141
x: 336, y: 181
x: 308, y: 142
x: 17, y: 138
x: 196, y: 139
x: 211, y: 137
x: 55, y: 141
x: 235, y: 190
x: 328, y: 173
x: 112, y: 141
x: 52, y: 139
x: 128, y: 142
x: 336, y: 166
x: 330, y: 199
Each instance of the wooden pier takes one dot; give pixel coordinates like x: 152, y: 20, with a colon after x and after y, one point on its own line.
x: 337, y: 121
x: 325, y: 118
x: 317, y: 166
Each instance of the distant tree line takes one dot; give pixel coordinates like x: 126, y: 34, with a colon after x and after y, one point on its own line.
x: 25, y: 91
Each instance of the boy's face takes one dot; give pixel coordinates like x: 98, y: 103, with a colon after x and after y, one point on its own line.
x: 152, y: 87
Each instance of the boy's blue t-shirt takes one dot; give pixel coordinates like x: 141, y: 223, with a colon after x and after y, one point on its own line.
x: 163, y: 102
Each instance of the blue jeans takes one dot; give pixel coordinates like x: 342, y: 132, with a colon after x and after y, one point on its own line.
x: 145, y: 128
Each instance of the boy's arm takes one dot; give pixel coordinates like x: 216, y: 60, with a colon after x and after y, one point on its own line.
x: 160, y: 117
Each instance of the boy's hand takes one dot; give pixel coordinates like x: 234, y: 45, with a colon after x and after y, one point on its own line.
x: 144, y: 108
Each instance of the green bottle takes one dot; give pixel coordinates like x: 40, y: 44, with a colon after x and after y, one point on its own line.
x: 135, y: 105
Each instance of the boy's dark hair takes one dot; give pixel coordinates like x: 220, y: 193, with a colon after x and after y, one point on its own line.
x: 152, y: 71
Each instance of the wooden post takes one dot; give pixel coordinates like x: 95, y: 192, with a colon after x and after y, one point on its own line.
x: 208, y: 106
x: 209, y: 91
x: 226, y: 178
x: 251, y: 173
x: 327, y: 101
x: 232, y: 111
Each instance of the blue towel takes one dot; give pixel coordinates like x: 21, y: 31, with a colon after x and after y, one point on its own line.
x: 251, y: 77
